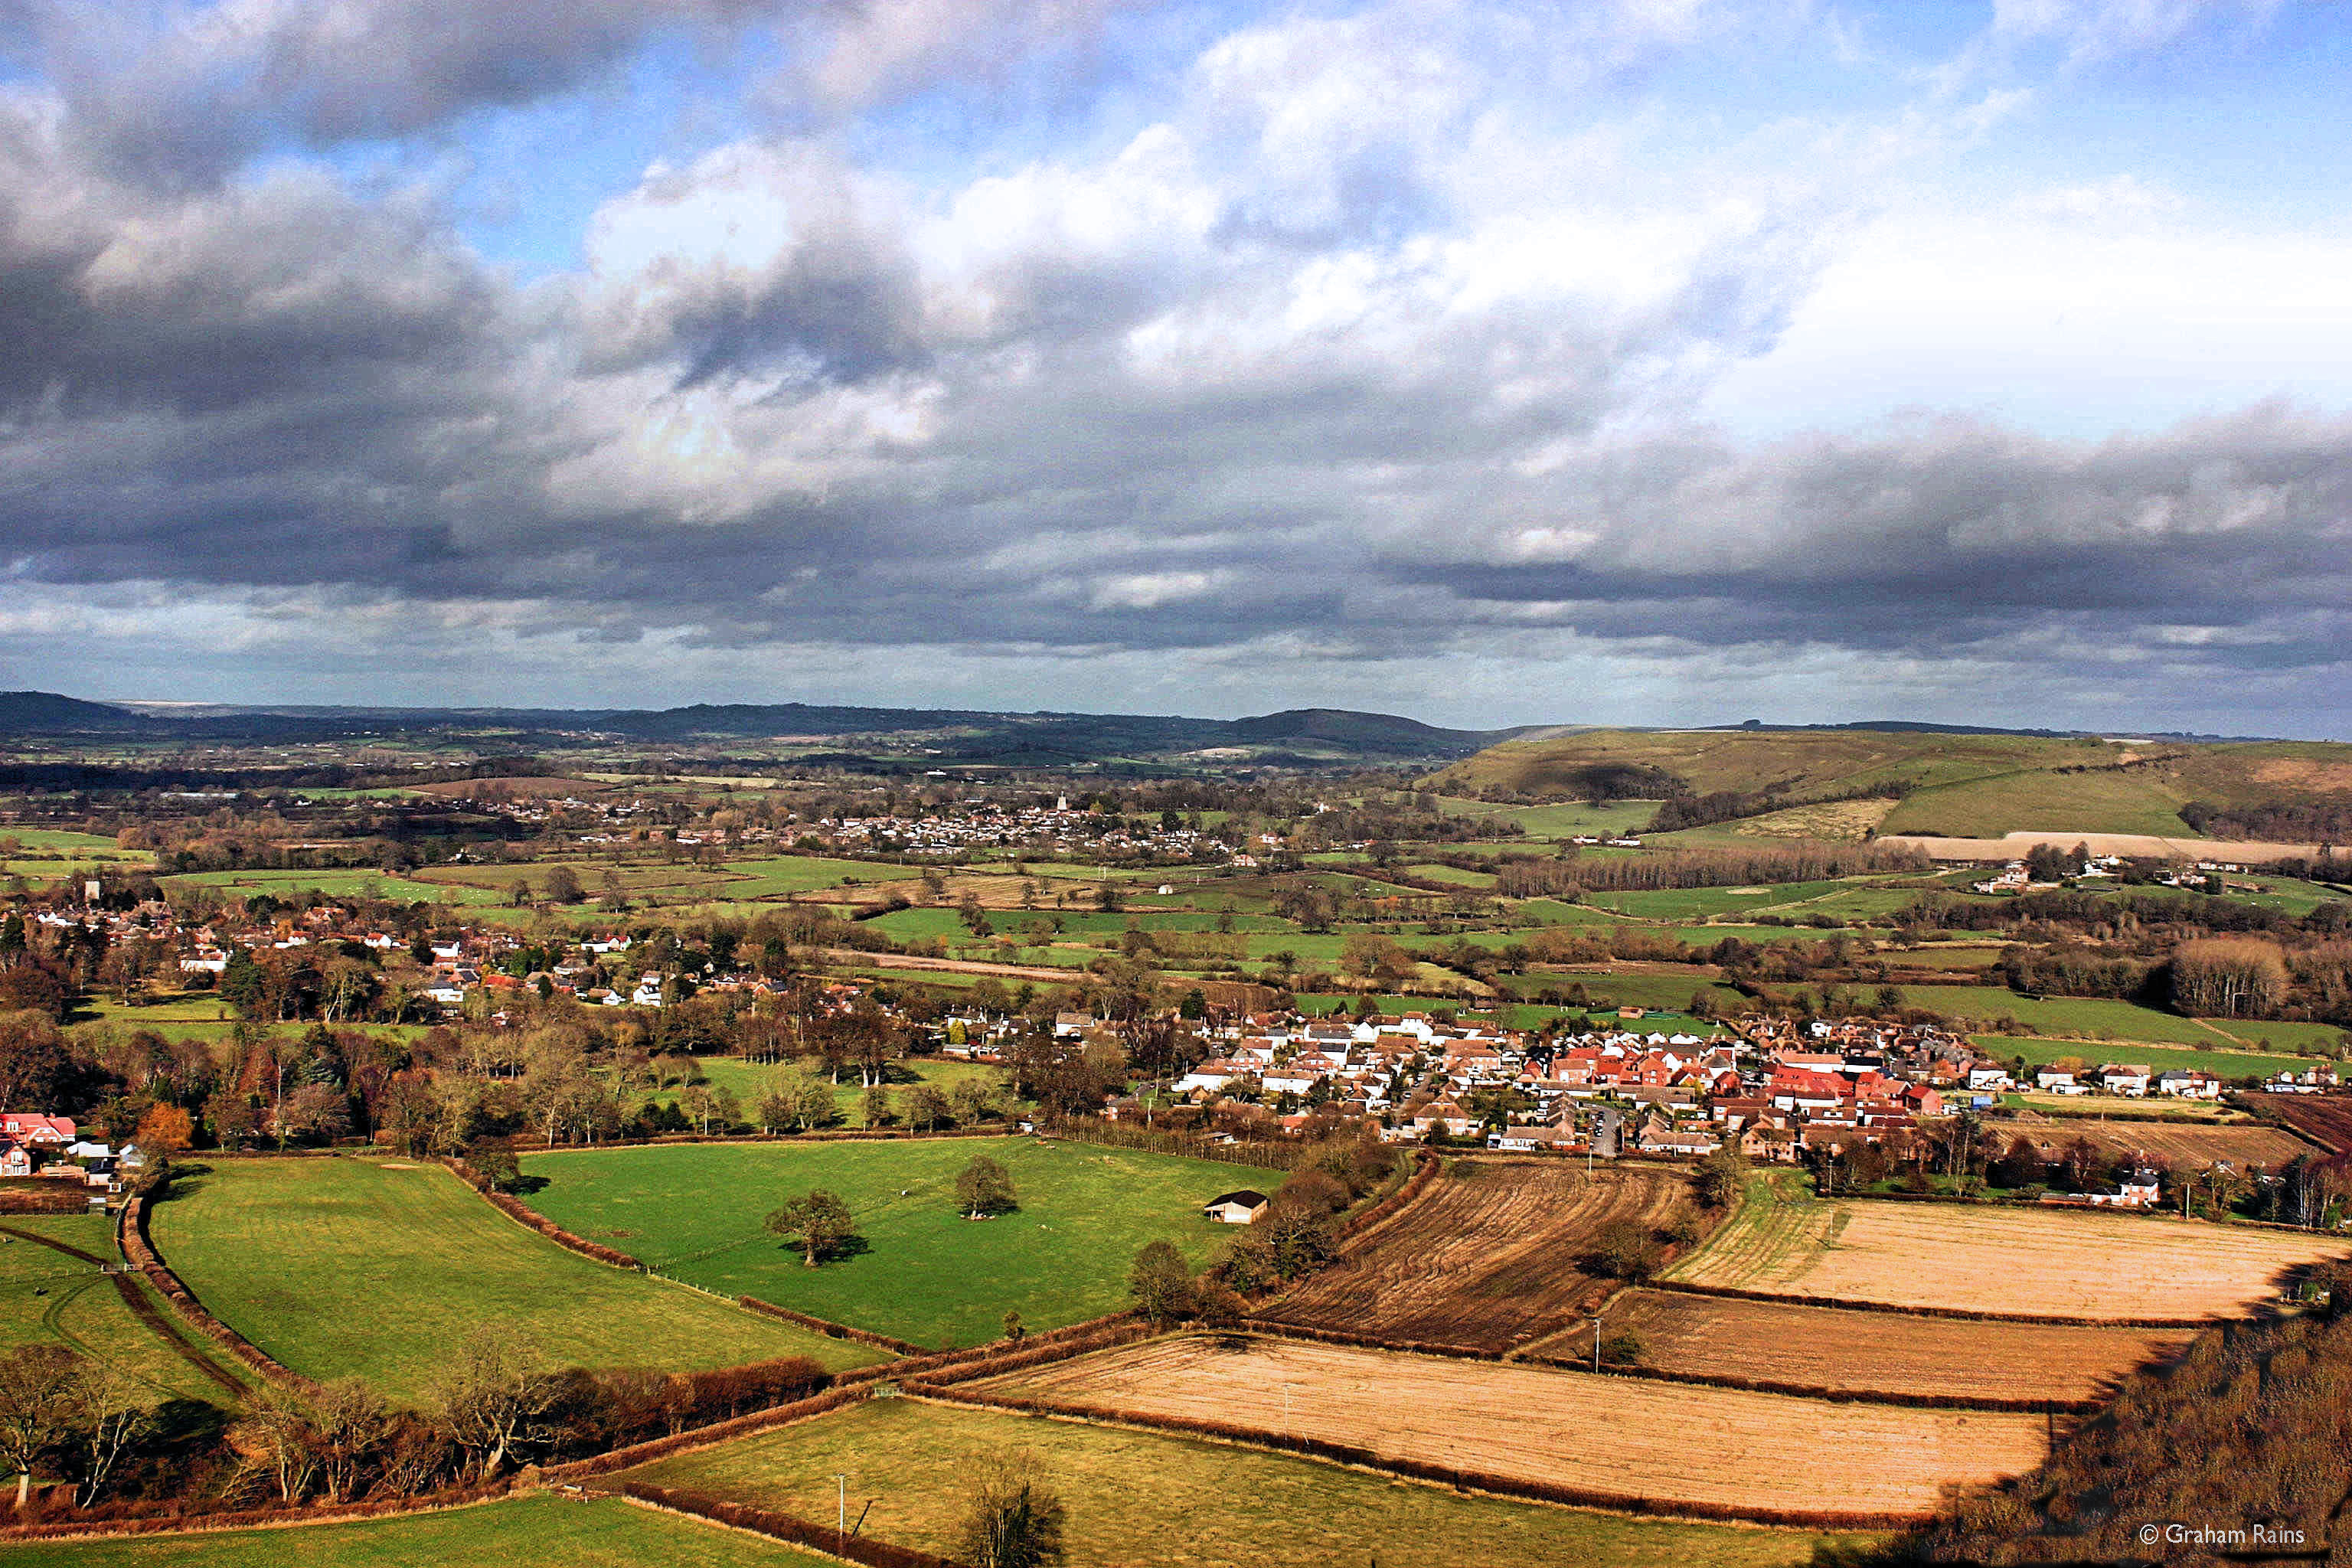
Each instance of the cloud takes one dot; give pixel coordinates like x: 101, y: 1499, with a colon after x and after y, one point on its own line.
x: 1368, y: 348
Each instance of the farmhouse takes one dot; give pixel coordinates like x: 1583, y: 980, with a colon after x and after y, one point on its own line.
x: 37, y: 1132
x: 1237, y: 1207
x: 2189, y: 1084
x: 2118, y: 1077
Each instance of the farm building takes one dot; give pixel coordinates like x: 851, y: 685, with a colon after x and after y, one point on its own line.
x: 1238, y: 1207
x: 50, y: 1132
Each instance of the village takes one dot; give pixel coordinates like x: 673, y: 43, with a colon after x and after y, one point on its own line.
x: 1780, y: 1090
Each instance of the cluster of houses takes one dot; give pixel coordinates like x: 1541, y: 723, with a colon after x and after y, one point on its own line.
x: 34, y: 1145
x: 984, y: 826
x: 1777, y: 1089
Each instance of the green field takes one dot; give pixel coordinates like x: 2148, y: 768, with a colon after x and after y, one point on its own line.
x: 2043, y: 802
x: 2224, y: 1062
x: 62, y: 840
x: 197, y: 1015
x: 1793, y: 898
x: 1671, y: 993
x: 539, y: 1530
x: 342, y: 883
x: 1554, y: 823
x: 787, y: 874
x: 2334, y: 1039
x: 355, y: 1266
x: 2091, y: 1017
x: 48, y: 1296
x: 1452, y: 874
x: 1141, y: 1499
x: 929, y: 1275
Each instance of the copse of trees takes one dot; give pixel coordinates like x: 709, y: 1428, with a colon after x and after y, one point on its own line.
x: 1652, y: 871
x: 2225, y: 978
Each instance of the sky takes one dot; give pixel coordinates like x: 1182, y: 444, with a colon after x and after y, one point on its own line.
x: 1641, y: 362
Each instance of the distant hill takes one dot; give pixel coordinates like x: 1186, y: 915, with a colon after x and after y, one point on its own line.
x: 1371, y: 732
x: 46, y: 713
x: 945, y: 737
x: 1960, y: 782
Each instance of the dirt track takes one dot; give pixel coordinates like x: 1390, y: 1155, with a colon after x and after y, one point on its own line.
x: 1491, y: 1256
x: 1643, y: 1442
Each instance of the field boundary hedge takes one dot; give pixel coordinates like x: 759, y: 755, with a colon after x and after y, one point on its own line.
x: 529, y: 1219
x: 37, y: 1195
x: 1459, y: 1477
x: 1424, y: 1172
x: 850, y: 1388
x: 718, y: 1432
x: 1371, y: 1341
x: 828, y: 1328
x: 1965, y: 1314
x: 1263, y: 1155
x: 131, y: 1235
x: 780, y: 1526
x: 1031, y: 1354
x: 263, y: 1518
x: 533, y: 1144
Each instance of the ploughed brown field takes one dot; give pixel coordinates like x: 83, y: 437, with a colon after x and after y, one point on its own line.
x: 1491, y: 1255
x: 2029, y: 1262
x: 1613, y: 1438
x: 2184, y: 1148
x: 2326, y: 1117
x: 1851, y: 1351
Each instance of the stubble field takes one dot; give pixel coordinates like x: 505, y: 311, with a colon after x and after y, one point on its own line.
x: 2184, y: 1148
x: 1881, y: 1353
x: 2024, y: 1262
x: 1642, y: 1443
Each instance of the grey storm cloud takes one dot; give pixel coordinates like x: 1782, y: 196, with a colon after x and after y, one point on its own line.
x: 1203, y: 392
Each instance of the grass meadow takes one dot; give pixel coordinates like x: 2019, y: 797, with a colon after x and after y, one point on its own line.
x: 925, y: 1273
x: 538, y: 1530
x: 2089, y: 1017
x: 48, y: 1296
x: 1146, y: 1499
x: 345, y: 1266
x: 341, y: 883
